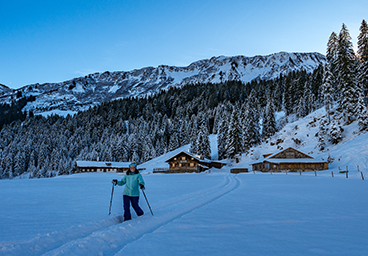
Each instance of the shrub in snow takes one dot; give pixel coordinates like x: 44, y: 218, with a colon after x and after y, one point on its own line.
x: 335, y: 134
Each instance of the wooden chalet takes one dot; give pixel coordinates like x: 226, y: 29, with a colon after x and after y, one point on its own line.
x: 289, y: 160
x: 94, y: 166
x: 188, y: 162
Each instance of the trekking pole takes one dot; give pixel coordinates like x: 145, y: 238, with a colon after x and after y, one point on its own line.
x: 112, y: 193
x: 147, y: 202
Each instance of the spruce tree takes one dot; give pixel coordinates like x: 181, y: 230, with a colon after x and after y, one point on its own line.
x: 19, y: 163
x: 194, y: 135
x: 269, y: 122
x: 222, y: 134
x: 331, y: 53
x: 362, y: 112
x: 174, y: 142
x: 327, y: 91
x: 148, y: 151
x: 250, y: 125
x: 363, y: 57
x: 234, y: 135
x: 346, y: 74
x: 321, y: 135
x: 203, y: 142
x: 305, y: 105
x: 288, y: 96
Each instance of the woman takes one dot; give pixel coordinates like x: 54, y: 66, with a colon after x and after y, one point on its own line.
x: 132, y: 180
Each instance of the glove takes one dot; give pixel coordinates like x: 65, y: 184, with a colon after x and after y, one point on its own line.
x: 141, y: 186
x: 115, y: 182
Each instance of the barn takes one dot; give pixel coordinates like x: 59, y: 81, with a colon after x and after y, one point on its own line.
x: 289, y: 160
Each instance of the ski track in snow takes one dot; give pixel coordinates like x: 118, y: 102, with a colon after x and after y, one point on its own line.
x: 110, y: 236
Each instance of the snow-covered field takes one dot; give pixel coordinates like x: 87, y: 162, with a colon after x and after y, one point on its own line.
x: 213, y: 213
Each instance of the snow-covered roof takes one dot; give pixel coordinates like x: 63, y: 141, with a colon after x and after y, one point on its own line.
x: 103, y: 164
x: 203, y: 166
x: 280, y: 151
x: 293, y: 160
x: 192, y: 155
x: 271, y: 158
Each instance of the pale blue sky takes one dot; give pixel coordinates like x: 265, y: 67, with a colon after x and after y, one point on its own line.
x: 53, y: 41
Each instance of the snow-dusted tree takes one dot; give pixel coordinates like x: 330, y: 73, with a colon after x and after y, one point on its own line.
x: 217, y: 118
x: 335, y: 132
x: 250, y: 125
x: 222, y: 134
x: 363, y: 57
x: 20, y: 164
x: 94, y: 156
x: 193, y: 135
x: 327, y: 91
x: 184, y: 132
x: 43, y: 159
x: 322, y: 134
x: 345, y: 66
x: 309, y: 97
x: 331, y: 53
x: 107, y: 154
x: 148, y: 151
x: 362, y: 76
x: 302, y: 108
x: 32, y: 164
x: 361, y: 110
x: 203, y: 142
x: 363, y: 119
x: 134, y: 148
x: 166, y: 132
x: 288, y: 96
x: 2, y: 164
x: 54, y: 159
x: 135, y: 157
x: 174, y: 142
x: 269, y: 122
x: 63, y: 166
x: 234, y: 135
x: 120, y: 149
x: 321, y: 142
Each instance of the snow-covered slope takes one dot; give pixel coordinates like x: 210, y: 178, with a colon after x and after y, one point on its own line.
x: 350, y: 153
x: 81, y: 93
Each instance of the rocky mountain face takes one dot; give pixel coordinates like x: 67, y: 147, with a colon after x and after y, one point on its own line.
x: 5, y: 90
x: 81, y: 93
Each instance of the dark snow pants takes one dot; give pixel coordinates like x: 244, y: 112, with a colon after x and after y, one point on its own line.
x: 134, y: 200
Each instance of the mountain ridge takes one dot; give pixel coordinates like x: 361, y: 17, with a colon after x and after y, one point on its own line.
x: 80, y: 93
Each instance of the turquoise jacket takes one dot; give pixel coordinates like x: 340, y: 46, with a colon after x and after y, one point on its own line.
x: 131, y: 181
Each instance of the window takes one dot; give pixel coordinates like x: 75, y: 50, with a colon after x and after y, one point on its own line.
x: 183, y: 158
x: 191, y: 164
